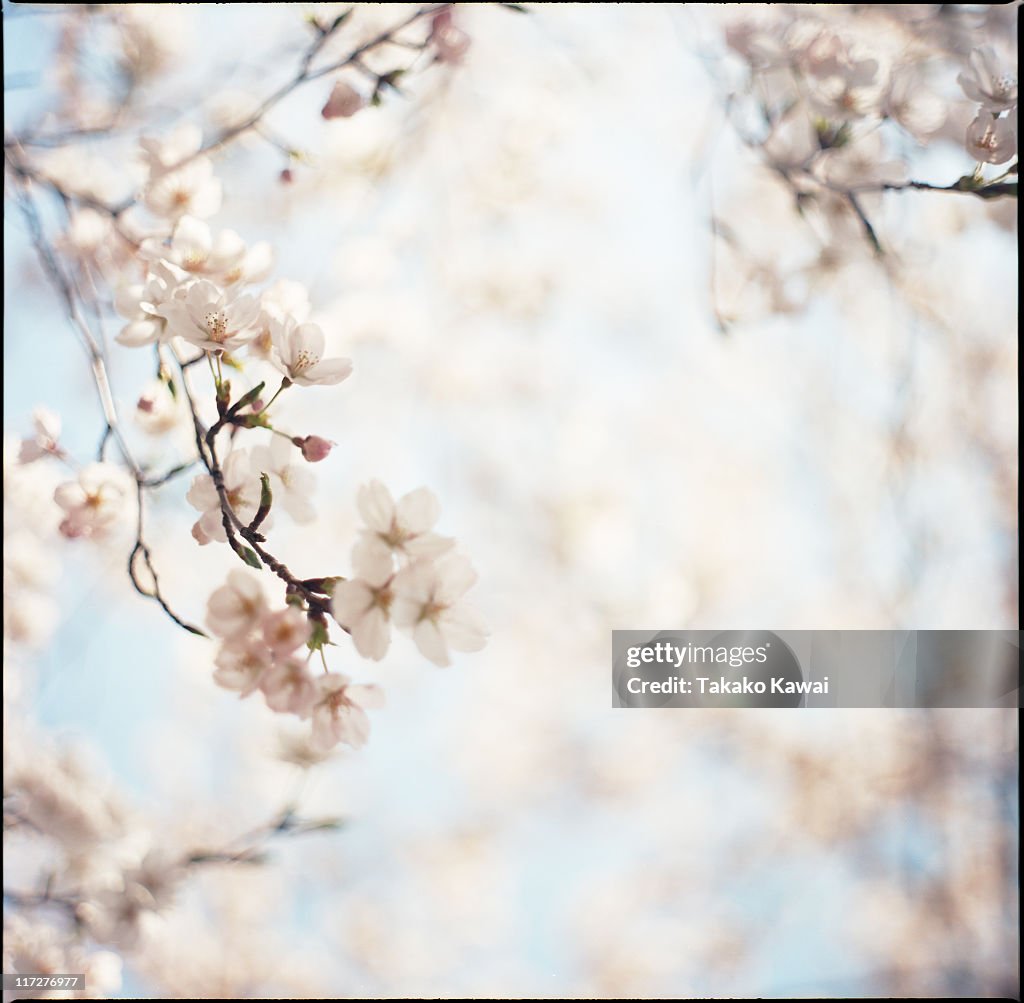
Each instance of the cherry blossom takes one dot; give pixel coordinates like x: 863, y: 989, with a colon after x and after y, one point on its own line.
x: 339, y: 711
x: 237, y: 607
x: 989, y: 81
x: 212, y: 318
x: 142, y: 305
x: 289, y: 687
x: 241, y: 665
x: 242, y: 487
x: 158, y: 411
x: 909, y: 102
x: 96, y: 501
x: 189, y: 190
x: 285, y: 298
x: 363, y: 603
x: 45, y: 441
x: 163, y: 153
x: 225, y: 258
x: 194, y: 249
x: 87, y: 231
x: 427, y: 605
x: 403, y: 527
x: 849, y: 90
x: 298, y: 353
x: 285, y: 630
x: 991, y: 140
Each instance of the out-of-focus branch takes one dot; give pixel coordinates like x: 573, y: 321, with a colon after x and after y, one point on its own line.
x: 112, y: 429
x: 250, y: 848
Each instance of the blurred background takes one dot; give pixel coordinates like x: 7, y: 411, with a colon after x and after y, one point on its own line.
x: 651, y: 389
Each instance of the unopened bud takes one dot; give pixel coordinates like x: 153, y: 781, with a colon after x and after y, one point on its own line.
x: 450, y: 41
x: 314, y: 448
x: 344, y: 101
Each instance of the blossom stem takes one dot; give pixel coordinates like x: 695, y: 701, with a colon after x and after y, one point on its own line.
x: 285, y: 384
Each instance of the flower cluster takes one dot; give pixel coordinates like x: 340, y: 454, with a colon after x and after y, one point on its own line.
x: 260, y: 651
x: 822, y: 94
x: 406, y: 574
x: 196, y: 300
x: 197, y: 284
x: 96, y: 501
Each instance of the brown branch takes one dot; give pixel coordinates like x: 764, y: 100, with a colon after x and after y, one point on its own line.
x: 101, y: 381
x: 141, y: 548
x: 234, y: 529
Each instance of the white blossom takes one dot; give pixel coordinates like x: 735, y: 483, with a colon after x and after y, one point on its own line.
x: 96, y: 501
x: 339, y: 711
x: 428, y: 605
x: 362, y: 604
x: 45, y: 441
x: 188, y: 190
x: 240, y: 665
x: 991, y: 140
x: 157, y: 877
x: 298, y: 353
x: 289, y: 688
x: 142, y: 305
x: 908, y: 102
x: 166, y: 152
x: 989, y: 81
x: 194, y: 249
x: 212, y: 318
x: 403, y: 527
x: 88, y: 230
x: 285, y: 298
x: 152, y: 36
x: 285, y: 630
x: 237, y: 607
x: 225, y: 258
x: 851, y: 91
x: 242, y: 486
x: 158, y: 411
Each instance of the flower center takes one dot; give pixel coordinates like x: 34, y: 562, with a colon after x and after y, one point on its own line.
x: 432, y: 610
x: 382, y: 598
x: 396, y: 536
x: 217, y: 325
x: 304, y: 360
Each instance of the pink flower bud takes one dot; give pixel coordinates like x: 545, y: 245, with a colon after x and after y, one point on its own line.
x: 450, y: 42
x: 286, y: 177
x: 314, y: 449
x: 344, y: 101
